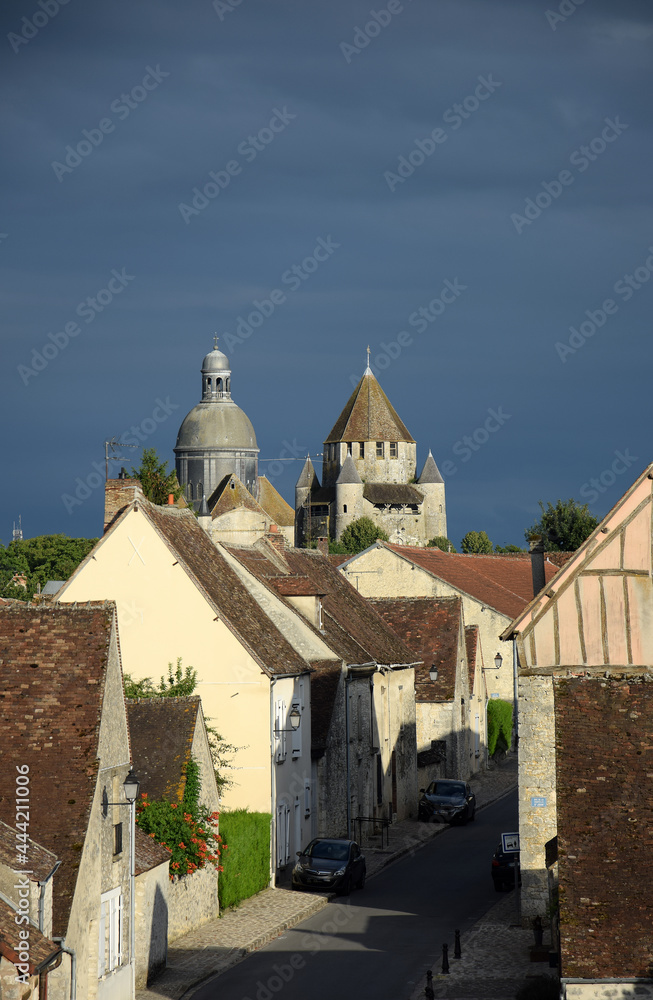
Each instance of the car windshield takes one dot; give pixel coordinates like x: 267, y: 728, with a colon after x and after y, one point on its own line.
x: 447, y: 790
x: 330, y: 849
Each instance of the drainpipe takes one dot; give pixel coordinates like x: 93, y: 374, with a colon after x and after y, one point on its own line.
x: 42, y: 886
x: 273, y: 789
x: 73, y: 965
x: 515, y: 711
x: 347, y: 750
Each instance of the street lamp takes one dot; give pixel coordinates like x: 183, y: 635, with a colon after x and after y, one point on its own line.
x: 131, y: 787
x: 433, y: 672
x: 294, y: 718
x: 498, y: 660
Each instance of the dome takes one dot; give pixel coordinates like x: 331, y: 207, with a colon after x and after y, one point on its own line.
x: 215, y: 361
x: 211, y: 426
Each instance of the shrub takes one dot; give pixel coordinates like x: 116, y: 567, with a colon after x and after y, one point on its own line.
x: 361, y: 534
x: 499, y: 725
x: 246, y: 855
x: 440, y: 542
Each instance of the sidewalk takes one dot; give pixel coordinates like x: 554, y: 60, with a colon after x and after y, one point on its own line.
x: 221, y: 943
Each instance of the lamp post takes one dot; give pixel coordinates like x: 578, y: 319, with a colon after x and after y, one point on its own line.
x: 131, y: 786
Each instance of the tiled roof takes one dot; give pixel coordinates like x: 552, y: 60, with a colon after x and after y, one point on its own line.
x: 307, y: 477
x: 161, y: 732
x: 295, y: 586
x: 396, y: 493
x: 353, y: 629
x: 502, y: 582
x: 430, y: 473
x: 215, y: 578
x: 472, y: 644
x: 274, y: 504
x: 369, y: 416
x: 41, y: 950
x: 430, y: 626
x: 226, y: 497
x: 53, y: 661
x: 148, y: 853
x: 41, y: 861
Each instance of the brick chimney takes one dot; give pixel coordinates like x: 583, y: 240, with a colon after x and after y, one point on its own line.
x: 274, y: 537
x: 323, y: 545
x: 118, y: 494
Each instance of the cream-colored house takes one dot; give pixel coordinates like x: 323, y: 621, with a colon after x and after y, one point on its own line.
x: 238, y: 518
x: 178, y: 595
x: 585, y: 648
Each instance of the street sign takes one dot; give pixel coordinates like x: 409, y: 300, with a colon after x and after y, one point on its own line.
x: 509, y: 842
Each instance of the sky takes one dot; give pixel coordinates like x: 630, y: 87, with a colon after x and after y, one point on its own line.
x: 462, y: 185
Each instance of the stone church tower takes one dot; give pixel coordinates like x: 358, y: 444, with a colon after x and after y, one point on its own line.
x: 368, y: 468
x: 216, y: 439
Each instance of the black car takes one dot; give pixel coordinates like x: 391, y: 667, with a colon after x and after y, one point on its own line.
x: 503, y: 869
x: 328, y: 864
x: 447, y: 801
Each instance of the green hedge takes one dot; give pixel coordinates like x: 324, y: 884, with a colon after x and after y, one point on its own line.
x: 245, y: 855
x: 499, y: 725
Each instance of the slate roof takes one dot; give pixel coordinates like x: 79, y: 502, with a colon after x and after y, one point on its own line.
x: 148, y: 853
x: 308, y: 477
x: 430, y: 473
x: 53, y: 661
x: 41, y: 861
x: 274, y: 504
x: 430, y: 626
x: 348, y: 473
x: 161, y: 732
x: 209, y: 570
x: 502, y: 582
x: 41, y: 950
x: 369, y: 416
x: 394, y: 493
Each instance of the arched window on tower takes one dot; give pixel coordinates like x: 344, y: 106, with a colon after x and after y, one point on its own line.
x: 218, y: 384
x: 199, y: 491
x: 227, y: 385
x: 189, y: 491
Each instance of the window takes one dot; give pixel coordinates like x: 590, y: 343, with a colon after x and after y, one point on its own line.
x: 361, y: 449
x: 296, y: 735
x: 394, y: 449
x: 307, y: 797
x: 189, y: 491
x: 110, y: 942
x: 232, y: 485
x: 200, y: 491
x: 117, y: 839
x: 349, y: 447
x: 380, y: 451
x: 283, y: 835
x: 344, y: 508
x: 279, y: 725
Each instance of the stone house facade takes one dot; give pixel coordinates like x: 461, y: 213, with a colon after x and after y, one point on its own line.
x: 236, y: 518
x: 585, y: 648
x: 369, y: 469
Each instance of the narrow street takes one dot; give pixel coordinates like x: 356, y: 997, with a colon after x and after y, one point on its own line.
x: 379, y: 942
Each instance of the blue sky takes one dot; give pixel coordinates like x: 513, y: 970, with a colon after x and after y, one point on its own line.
x: 499, y: 149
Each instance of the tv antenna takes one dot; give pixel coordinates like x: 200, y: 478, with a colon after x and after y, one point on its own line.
x: 111, y: 453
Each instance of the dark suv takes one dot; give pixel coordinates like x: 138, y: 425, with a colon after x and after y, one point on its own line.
x: 447, y: 801
x: 328, y: 864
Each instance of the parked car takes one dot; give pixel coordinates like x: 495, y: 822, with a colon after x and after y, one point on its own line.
x: 330, y: 864
x: 503, y: 869
x: 447, y: 801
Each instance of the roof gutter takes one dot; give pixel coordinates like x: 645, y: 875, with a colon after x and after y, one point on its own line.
x: 42, y: 886
x: 61, y: 941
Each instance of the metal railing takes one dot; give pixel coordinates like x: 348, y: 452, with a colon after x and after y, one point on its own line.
x: 376, y: 821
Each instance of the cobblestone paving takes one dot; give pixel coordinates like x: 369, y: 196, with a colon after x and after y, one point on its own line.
x: 223, y: 942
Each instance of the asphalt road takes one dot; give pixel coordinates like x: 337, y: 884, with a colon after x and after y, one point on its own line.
x: 379, y: 942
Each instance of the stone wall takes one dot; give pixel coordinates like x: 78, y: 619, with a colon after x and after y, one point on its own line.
x: 152, y: 890
x: 192, y: 901
x: 537, y: 790
x: 637, y: 990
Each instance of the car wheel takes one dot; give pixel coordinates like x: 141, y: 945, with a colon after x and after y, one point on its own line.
x: 473, y: 816
x: 345, y: 889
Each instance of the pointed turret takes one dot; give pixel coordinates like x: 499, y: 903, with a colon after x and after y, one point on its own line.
x: 349, y: 496
x: 348, y: 473
x: 430, y: 472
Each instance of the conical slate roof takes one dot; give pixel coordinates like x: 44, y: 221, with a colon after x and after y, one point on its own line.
x: 348, y: 473
x: 430, y: 472
x: 307, y: 476
x: 369, y: 416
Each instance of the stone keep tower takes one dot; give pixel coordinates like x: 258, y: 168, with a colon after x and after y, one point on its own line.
x: 369, y: 462
x: 216, y: 439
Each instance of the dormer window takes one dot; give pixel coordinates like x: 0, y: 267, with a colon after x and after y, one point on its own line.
x: 380, y: 449
x: 394, y: 449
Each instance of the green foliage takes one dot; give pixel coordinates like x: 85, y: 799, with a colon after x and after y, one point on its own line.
x: 185, y: 828
x: 46, y: 557
x: 508, y: 548
x: 155, y: 479
x: 563, y: 527
x: 440, y: 542
x: 361, y: 534
x: 499, y: 725
x: 246, y: 857
x: 476, y: 541
x: 338, y: 549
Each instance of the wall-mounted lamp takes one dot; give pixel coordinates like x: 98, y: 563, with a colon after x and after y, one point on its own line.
x: 433, y: 672
x: 294, y: 718
x: 498, y: 660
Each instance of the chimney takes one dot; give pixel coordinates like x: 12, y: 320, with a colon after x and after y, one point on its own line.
x: 118, y: 494
x: 537, y: 564
x: 323, y: 545
x: 171, y: 499
x: 274, y: 537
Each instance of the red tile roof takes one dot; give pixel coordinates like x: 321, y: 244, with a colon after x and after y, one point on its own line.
x: 430, y: 626
x: 148, y: 853
x: 503, y: 582
x: 53, y: 660
x: 42, y: 951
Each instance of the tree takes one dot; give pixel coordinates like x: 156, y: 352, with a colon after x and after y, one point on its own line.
x: 508, y: 548
x: 563, y: 527
x: 179, y: 684
x: 46, y: 557
x: 155, y: 479
x: 440, y: 542
x: 361, y: 534
x: 476, y: 541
